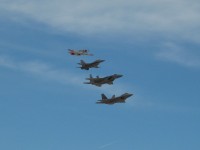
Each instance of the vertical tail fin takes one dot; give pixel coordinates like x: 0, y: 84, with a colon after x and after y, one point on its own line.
x: 113, y: 96
x: 82, y: 62
x: 103, y: 96
x: 90, y: 78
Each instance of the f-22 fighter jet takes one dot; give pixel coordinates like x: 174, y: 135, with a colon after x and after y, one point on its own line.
x: 79, y: 52
x: 105, y: 80
x: 87, y: 66
x: 113, y: 100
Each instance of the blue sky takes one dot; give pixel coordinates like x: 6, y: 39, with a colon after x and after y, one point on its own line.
x: 44, y: 104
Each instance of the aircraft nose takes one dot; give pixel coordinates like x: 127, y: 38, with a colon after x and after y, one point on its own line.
x: 129, y: 95
x: 101, y: 60
x: 119, y: 75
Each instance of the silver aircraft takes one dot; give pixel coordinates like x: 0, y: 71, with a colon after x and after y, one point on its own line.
x: 105, y: 80
x: 113, y: 99
x: 93, y: 64
x: 79, y: 52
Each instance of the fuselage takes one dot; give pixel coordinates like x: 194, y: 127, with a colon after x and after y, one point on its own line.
x: 120, y: 99
x: 94, y: 64
x: 106, y: 80
x: 79, y: 52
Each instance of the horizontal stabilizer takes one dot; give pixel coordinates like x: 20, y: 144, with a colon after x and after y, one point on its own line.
x: 86, y: 82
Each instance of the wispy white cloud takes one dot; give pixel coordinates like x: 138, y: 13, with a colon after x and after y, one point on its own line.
x: 142, y: 103
x: 5, y: 62
x: 173, y: 53
x: 37, y: 68
x: 107, y: 145
x: 114, y: 16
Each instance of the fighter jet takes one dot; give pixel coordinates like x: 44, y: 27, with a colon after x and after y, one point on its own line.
x: 105, y: 80
x: 113, y: 99
x: 79, y: 52
x: 87, y: 66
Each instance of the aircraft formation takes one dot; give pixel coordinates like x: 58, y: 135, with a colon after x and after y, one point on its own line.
x: 99, y: 81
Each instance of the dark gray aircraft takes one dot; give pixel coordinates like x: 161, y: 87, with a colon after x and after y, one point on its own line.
x: 87, y: 66
x: 105, y: 80
x: 113, y: 99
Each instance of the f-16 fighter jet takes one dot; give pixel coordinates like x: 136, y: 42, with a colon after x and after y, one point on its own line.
x: 79, y: 52
x: 113, y: 99
x: 87, y: 66
x: 105, y: 80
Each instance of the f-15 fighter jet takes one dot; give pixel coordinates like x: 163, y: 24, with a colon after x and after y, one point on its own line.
x: 113, y: 100
x: 79, y: 52
x: 87, y: 66
x: 105, y: 80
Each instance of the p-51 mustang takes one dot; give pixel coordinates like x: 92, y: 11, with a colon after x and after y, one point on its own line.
x: 113, y: 99
x: 79, y: 52
x: 105, y: 80
x: 93, y: 64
